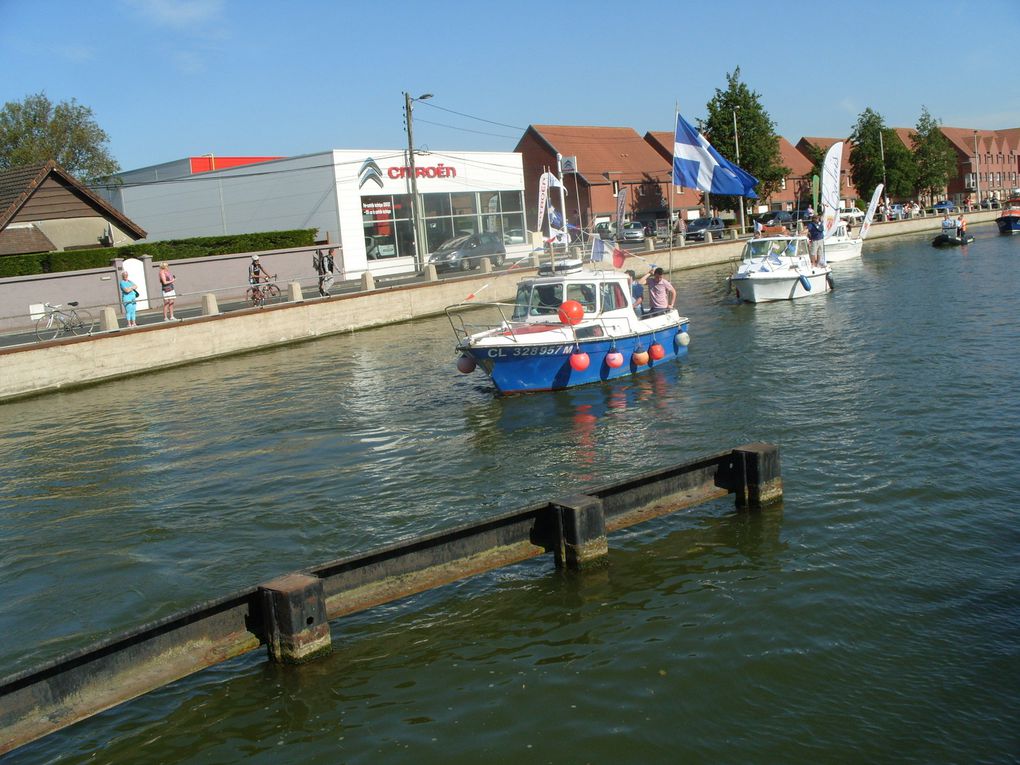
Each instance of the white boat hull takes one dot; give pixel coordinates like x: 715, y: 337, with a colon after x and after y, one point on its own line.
x: 842, y: 248
x: 765, y: 287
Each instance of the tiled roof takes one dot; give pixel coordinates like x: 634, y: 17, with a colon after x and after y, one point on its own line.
x: 793, y: 158
x: 19, y: 183
x: 605, y: 149
x: 17, y: 240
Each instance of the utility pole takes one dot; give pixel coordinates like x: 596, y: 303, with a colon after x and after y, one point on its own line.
x: 417, y: 224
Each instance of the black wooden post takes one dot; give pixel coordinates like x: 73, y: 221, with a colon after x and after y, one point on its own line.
x: 759, y: 481
x: 294, y: 608
x: 582, y: 525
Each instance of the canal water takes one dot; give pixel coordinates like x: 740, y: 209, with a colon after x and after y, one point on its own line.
x: 871, y: 618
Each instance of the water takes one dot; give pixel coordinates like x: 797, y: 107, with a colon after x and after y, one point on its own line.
x: 871, y: 618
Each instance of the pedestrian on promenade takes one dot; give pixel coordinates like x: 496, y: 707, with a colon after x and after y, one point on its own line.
x: 129, y: 294
x: 661, y: 293
x: 323, y: 264
x: 166, y: 283
x: 816, y: 233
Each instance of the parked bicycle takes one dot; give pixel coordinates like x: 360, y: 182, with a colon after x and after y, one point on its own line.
x: 262, y: 292
x: 59, y: 321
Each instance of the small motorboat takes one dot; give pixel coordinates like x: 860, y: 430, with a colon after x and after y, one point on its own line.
x: 841, y: 246
x: 951, y: 240
x: 778, y: 267
x: 1009, y: 221
x: 569, y: 325
x: 949, y: 237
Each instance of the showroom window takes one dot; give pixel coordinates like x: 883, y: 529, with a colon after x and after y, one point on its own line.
x: 463, y: 213
x: 386, y: 220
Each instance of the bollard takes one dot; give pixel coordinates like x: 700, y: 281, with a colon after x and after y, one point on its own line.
x: 108, y: 319
x: 294, y: 292
x: 536, y: 259
x: 759, y: 481
x: 486, y: 266
x: 294, y: 618
x: 683, y: 240
x: 209, y: 305
x: 367, y: 281
x: 708, y: 237
x: 650, y: 244
x: 582, y: 532
x: 430, y: 273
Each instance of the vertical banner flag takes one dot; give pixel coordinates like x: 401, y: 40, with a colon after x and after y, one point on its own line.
x: 871, y: 210
x: 543, y: 194
x: 830, y: 188
x: 697, y: 165
x: 621, y: 206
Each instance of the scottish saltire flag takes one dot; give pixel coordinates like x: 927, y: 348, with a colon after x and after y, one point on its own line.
x: 555, y: 219
x: 698, y: 166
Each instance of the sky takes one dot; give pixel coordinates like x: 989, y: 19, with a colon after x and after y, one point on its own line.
x: 168, y: 79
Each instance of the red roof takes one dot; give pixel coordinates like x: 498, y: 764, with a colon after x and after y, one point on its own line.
x: 210, y: 162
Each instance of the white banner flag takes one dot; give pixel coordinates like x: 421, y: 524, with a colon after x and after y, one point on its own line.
x: 543, y: 195
x: 871, y: 210
x: 830, y: 188
x: 621, y: 206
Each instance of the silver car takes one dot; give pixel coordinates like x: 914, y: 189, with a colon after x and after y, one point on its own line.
x: 632, y: 232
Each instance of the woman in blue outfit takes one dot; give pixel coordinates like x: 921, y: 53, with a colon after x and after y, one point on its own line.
x: 129, y: 294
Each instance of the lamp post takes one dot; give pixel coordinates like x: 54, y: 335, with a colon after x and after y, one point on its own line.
x: 977, y: 171
x: 418, y: 230
x: 736, y: 143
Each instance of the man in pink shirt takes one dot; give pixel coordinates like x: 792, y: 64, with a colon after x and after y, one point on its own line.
x: 661, y: 293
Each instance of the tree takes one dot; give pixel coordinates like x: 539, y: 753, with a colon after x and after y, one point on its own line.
x: 934, y: 156
x: 35, y: 130
x: 866, y: 158
x: 759, y: 144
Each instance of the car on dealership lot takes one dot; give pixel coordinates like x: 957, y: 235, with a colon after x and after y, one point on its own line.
x: 514, y: 236
x: 696, y: 228
x: 634, y: 231
x: 775, y: 218
x: 945, y: 206
x: 463, y: 253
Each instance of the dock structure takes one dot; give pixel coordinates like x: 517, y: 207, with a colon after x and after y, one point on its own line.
x: 290, y: 614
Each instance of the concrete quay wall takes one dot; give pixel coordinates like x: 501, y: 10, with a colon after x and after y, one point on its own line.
x: 59, y: 364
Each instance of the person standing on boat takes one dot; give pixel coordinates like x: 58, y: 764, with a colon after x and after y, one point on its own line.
x: 816, y: 233
x: 637, y: 293
x: 661, y: 293
x: 961, y: 226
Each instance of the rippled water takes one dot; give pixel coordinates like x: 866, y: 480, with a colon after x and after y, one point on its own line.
x: 872, y: 618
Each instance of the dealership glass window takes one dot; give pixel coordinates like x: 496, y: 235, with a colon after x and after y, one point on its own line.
x: 387, y: 226
x: 464, y: 203
x: 511, y: 201
x: 436, y: 204
x: 462, y: 213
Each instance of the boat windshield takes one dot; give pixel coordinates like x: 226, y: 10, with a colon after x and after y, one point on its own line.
x: 760, y: 248
x: 545, y: 299
x: 537, y: 300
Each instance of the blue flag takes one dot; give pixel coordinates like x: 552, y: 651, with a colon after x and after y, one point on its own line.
x: 698, y: 166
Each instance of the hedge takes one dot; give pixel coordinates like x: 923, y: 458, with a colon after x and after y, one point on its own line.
x: 170, y: 249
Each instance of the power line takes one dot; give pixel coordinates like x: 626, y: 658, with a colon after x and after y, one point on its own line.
x: 466, y: 130
x: 469, y: 116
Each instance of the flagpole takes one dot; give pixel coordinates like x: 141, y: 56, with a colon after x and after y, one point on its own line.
x: 672, y: 191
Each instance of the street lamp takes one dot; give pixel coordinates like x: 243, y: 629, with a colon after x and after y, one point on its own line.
x: 977, y: 171
x: 418, y: 229
x: 736, y: 143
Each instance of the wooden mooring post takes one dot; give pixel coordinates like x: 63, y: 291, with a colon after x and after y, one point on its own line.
x: 290, y: 615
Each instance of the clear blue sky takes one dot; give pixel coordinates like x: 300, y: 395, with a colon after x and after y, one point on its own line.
x: 174, y: 78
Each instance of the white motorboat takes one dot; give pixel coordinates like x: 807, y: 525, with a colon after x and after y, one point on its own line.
x: 841, y: 246
x: 778, y: 267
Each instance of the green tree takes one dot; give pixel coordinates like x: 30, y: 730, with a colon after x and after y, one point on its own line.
x: 866, y: 158
x: 35, y: 130
x: 759, y: 143
x: 934, y: 156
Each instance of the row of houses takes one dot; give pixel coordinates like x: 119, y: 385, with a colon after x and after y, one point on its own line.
x: 362, y: 200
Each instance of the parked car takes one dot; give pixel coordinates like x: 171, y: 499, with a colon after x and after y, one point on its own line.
x: 945, y: 206
x: 514, y: 236
x: 851, y: 213
x: 802, y: 216
x: 990, y: 204
x: 466, y: 252
x: 605, y: 230
x: 696, y: 228
x: 632, y: 232
x: 775, y: 218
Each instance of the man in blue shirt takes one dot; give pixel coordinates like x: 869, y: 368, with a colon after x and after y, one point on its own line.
x: 815, y: 233
x: 637, y: 292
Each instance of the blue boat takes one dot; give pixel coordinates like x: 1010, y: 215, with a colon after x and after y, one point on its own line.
x: 569, y: 325
x: 1009, y: 221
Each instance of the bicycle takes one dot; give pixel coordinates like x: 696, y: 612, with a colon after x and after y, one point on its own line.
x: 262, y: 292
x: 70, y: 321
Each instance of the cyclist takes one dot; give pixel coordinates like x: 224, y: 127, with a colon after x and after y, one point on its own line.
x: 257, y: 275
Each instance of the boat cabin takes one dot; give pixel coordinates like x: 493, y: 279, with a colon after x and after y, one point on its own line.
x: 778, y: 246
x: 599, y: 292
